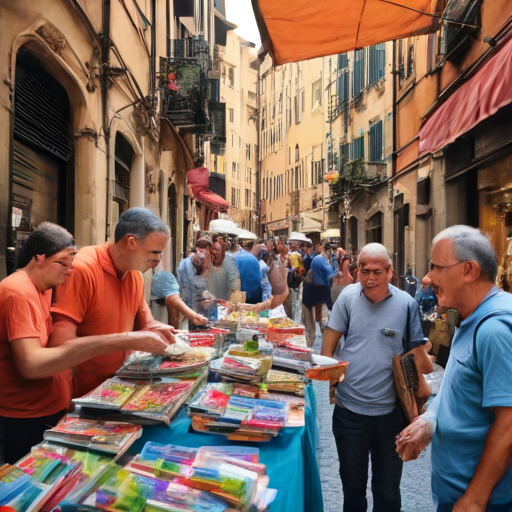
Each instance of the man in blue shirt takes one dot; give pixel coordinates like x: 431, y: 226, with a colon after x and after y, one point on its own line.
x: 250, y: 273
x: 375, y: 319
x: 470, y: 421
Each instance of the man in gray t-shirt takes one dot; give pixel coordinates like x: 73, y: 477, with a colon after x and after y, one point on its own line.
x: 374, y: 317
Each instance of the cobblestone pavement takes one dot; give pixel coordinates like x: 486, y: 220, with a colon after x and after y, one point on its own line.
x: 416, y: 496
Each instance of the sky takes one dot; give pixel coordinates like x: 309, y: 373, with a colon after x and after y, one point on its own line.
x: 241, y: 13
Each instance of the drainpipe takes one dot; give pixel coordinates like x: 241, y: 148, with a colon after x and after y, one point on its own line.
x: 258, y: 165
x: 152, y: 69
x: 394, y: 81
x: 105, y: 64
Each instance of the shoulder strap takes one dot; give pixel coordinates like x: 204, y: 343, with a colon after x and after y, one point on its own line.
x: 407, y: 338
x: 501, y: 312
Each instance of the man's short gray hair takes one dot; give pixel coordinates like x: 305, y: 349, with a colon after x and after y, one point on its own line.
x: 140, y: 223
x: 373, y: 251
x: 471, y: 244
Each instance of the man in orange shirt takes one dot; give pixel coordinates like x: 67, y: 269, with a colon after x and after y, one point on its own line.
x: 34, y: 393
x: 105, y: 293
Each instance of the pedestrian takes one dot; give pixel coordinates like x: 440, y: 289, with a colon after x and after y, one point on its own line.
x: 35, y: 382
x: 376, y: 319
x: 425, y: 296
x: 105, y: 293
x: 307, y: 257
x: 277, y: 272
x: 250, y: 273
x: 264, y: 261
x: 339, y: 283
x: 316, y: 294
x: 193, y: 275
x: 470, y: 420
x: 224, y: 277
x: 166, y: 303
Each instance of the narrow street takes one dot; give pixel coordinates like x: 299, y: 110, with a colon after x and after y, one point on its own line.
x: 416, y: 495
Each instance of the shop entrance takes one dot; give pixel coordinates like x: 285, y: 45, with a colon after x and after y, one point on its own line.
x: 42, y: 178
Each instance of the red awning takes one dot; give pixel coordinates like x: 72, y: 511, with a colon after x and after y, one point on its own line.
x: 479, y: 98
x: 293, y: 30
x: 212, y: 200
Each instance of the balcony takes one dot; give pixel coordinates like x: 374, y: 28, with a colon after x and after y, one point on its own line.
x: 183, y: 81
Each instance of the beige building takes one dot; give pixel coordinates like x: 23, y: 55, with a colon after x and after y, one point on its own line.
x: 232, y: 159
x: 292, y: 148
x: 103, y: 106
x: 359, y: 124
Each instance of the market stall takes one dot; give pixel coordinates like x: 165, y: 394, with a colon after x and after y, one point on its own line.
x: 184, y: 430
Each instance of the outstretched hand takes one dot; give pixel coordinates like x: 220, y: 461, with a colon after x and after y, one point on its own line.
x: 413, y: 439
x: 147, y: 341
x: 165, y: 331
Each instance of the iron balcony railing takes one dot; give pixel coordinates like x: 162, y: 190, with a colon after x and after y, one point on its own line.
x: 184, y: 83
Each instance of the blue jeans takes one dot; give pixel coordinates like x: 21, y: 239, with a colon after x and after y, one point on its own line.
x: 358, y: 436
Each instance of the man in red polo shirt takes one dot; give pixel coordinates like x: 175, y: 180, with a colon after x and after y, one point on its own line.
x: 34, y: 394
x: 105, y: 293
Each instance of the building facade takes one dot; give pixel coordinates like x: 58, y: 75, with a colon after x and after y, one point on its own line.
x: 454, y: 131
x: 105, y: 107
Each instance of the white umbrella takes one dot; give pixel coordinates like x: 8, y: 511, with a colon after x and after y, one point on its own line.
x: 243, y: 234
x: 223, y: 226
x: 298, y: 237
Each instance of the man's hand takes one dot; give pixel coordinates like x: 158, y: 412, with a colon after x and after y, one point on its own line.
x: 413, y: 439
x: 199, y: 319
x: 166, y: 332
x: 148, y: 341
x: 464, y: 504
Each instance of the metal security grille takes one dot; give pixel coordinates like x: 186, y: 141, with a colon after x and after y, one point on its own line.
x: 40, y: 117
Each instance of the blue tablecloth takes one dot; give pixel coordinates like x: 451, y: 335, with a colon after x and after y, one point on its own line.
x: 291, y: 457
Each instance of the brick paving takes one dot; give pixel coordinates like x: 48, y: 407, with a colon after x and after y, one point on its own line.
x: 415, y: 486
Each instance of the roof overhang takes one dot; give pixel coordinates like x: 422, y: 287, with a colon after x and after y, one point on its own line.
x: 294, y: 30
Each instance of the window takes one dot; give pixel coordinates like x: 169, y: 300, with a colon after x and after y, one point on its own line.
x: 296, y: 109
x: 248, y: 152
x: 431, y: 52
x: 231, y: 77
x: 254, y: 199
x: 344, y: 153
x: 280, y: 102
x: 316, y: 95
x: 316, y: 173
x: 248, y: 175
x: 376, y: 153
x: 297, y: 177
x: 374, y: 229
x: 232, y: 141
x: 377, y: 62
x: 263, y: 114
x: 231, y: 115
x: 297, y: 154
x: 343, y: 86
x: 247, y: 205
x: 233, y: 170
x: 358, y: 148
x: 342, y: 61
x: 233, y: 196
x: 358, y: 80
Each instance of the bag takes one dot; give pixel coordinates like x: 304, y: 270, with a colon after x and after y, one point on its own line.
x: 294, y: 279
x: 408, y: 372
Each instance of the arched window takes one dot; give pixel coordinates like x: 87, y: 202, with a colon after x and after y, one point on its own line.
x: 296, y: 152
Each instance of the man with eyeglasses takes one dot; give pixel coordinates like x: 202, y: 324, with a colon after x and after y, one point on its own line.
x: 470, y: 420
x: 35, y: 392
x: 105, y: 293
x: 377, y: 320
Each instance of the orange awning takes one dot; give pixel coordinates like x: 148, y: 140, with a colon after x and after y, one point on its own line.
x: 293, y: 30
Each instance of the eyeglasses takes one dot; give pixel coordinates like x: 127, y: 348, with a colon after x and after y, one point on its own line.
x: 433, y: 266
x: 377, y: 272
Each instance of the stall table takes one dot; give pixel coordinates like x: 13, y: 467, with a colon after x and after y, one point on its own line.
x: 291, y: 457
